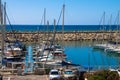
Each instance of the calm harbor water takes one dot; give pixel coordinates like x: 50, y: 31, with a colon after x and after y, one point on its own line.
x: 83, y: 53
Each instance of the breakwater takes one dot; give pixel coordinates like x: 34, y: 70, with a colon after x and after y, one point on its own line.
x: 68, y: 36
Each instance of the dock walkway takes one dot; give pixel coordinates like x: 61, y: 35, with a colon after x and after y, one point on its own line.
x: 26, y: 77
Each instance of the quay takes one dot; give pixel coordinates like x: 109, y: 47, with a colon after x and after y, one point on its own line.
x: 27, y: 77
x: 68, y: 36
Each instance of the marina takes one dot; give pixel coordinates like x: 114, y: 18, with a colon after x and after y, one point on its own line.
x: 58, y: 51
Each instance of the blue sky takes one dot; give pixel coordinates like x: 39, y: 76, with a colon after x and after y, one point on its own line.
x: 77, y: 12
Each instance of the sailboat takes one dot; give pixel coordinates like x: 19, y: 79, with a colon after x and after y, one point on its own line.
x: 102, y: 45
x: 49, y: 49
x: 11, y: 50
x: 115, y: 48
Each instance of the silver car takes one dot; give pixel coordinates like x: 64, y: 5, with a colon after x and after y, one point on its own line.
x: 68, y: 74
x: 54, y: 74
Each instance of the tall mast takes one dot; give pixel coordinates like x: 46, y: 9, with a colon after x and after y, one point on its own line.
x: 5, y: 13
x: 4, y: 27
x: 44, y: 16
x: 103, y: 26
x: 47, y: 31
x: 44, y: 23
x: 63, y: 24
x: 117, y: 28
x: 1, y: 13
x: 110, y: 27
x: 1, y: 24
x: 54, y: 33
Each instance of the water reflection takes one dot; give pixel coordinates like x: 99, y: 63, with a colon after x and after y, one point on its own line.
x: 82, y: 52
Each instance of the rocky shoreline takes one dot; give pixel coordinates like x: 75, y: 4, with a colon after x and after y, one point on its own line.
x: 68, y: 36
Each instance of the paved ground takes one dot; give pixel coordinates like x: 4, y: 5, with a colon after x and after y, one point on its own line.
x: 27, y: 77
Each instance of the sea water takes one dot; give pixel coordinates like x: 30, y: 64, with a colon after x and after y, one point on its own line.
x: 59, y: 27
x: 83, y: 53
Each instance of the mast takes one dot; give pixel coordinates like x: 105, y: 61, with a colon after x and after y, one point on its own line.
x: 4, y: 24
x: 45, y: 23
x: 44, y: 16
x: 117, y: 29
x: 47, y: 31
x: 54, y: 33
x: 103, y: 24
x: 63, y: 24
x: 1, y: 11
x: 4, y: 20
x: 110, y: 27
x: 1, y: 25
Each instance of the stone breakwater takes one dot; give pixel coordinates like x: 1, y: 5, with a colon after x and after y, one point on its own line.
x: 68, y: 36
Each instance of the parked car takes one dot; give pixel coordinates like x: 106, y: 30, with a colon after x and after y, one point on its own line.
x: 118, y: 70
x: 54, y: 74
x: 68, y: 74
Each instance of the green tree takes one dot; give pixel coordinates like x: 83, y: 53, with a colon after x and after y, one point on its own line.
x: 104, y: 75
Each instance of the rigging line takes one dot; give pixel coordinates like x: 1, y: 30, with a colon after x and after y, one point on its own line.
x: 116, y: 19
x: 39, y: 27
x: 5, y: 14
x: 10, y: 13
x: 110, y: 22
x: 101, y: 19
x: 117, y: 31
x: 118, y: 22
x: 59, y: 17
x: 103, y: 26
x: 48, y: 32
x: 42, y: 19
x: 43, y: 16
x: 11, y: 26
x: 110, y: 26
